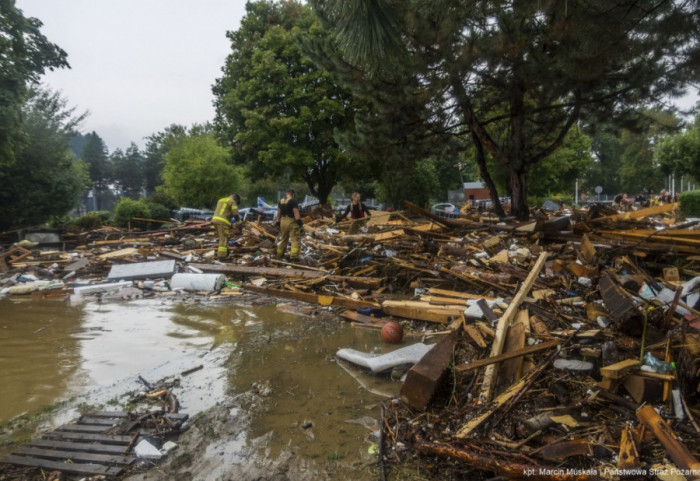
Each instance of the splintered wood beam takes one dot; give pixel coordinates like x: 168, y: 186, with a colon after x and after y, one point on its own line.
x: 637, y: 214
x: 676, y: 450
x: 312, y: 298
x: 367, y: 282
x: 423, y: 378
x: 502, y: 328
x: 508, y: 355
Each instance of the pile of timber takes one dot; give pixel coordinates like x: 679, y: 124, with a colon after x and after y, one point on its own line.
x: 546, y: 327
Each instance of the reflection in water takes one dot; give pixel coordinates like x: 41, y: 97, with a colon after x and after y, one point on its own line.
x: 39, y: 355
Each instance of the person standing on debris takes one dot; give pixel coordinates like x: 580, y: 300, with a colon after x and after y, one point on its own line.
x: 618, y: 199
x: 356, y: 209
x: 289, y: 220
x: 226, y: 208
x: 641, y: 200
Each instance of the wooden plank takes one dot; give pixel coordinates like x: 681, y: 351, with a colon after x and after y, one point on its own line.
x: 637, y: 214
x: 129, y: 251
x: 682, y: 233
x: 99, y: 438
x: 312, y: 298
x: 457, y: 295
x: 619, y: 369
x: 75, y: 456
x: 423, y: 378
x: 508, y: 355
x: 441, y: 316
x: 108, y: 414
x: 82, y: 428
x: 503, y: 323
x: 515, y: 341
x: 422, y: 305
x: 498, y: 402
x: 369, y: 282
x: 64, y: 467
x: 475, y: 335
x: 658, y: 239
x: 443, y: 301
x: 101, y: 421
x: 73, y: 446
x: 357, y: 317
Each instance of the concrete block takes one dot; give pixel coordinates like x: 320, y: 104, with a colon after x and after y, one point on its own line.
x: 143, y: 270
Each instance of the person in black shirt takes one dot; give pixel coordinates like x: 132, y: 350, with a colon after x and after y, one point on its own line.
x: 356, y: 209
x: 289, y: 219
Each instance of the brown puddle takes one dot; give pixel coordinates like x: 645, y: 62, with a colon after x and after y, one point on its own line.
x: 52, y: 351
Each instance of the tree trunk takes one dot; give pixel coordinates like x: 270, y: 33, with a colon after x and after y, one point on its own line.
x: 519, y: 207
x: 486, y: 177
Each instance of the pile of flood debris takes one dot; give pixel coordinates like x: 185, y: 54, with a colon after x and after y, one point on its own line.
x: 569, y: 344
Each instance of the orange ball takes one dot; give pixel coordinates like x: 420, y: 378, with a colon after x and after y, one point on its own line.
x: 392, y: 332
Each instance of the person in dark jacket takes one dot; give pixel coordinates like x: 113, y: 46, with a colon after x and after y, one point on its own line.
x: 289, y: 219
x: 356, y: 209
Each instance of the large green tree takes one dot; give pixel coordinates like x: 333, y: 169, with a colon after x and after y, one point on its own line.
x: 274, y: 107
x: 46, y: 179
x: 25, y: 54
x: 198, y: 171
x: 518, y: 75
x: 680, y: 153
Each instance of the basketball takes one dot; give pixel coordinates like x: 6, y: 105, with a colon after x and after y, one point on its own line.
x: 392, y: 332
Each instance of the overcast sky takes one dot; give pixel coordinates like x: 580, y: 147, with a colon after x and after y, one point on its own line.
x: 138, y: 65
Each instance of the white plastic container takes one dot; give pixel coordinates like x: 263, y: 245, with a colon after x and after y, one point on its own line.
x: 197, y: 282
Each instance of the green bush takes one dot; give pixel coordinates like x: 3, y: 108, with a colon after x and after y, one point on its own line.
x: 125, y: 211
x: 92, y: 220
x: 163, y: 199
x: 690, y: 203
x: 158, y: 212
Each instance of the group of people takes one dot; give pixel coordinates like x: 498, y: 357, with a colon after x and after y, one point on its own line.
x: 288, y: 219
x: 623, y: 202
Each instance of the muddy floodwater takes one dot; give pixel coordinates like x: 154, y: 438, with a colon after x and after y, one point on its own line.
x: 270, y: 386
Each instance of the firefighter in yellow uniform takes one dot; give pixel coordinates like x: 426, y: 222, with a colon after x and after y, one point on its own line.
x: 289, y: 220
x: 226, y: 208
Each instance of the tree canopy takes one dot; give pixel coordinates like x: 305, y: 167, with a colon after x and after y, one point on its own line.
x: 680, y: 153
x: 25, y: 54
x: 46, y: 179
x: 515, y: 76
x: 274, y: 107
x: 198, y: 171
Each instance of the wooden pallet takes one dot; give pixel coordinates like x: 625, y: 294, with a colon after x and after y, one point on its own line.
x: 93, y: 445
